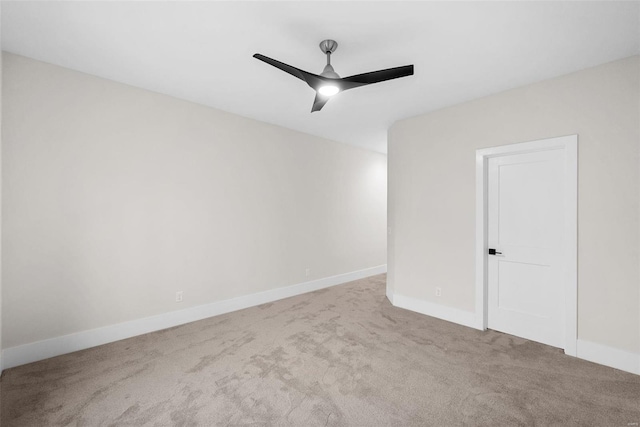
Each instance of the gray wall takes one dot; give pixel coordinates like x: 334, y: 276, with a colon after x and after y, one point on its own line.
x: 115, y: 198
x: 432, y: 192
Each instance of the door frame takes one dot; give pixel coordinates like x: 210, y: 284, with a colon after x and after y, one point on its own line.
x: 569, y: 144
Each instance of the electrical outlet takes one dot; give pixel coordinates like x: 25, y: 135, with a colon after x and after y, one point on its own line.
x: 307, y: 272
x: 438, y: 292
x: 179, y: 296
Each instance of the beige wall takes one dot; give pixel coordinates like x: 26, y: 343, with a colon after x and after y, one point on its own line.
x: 432, y: 192
x: 115, y: 198
x: 1, y: 363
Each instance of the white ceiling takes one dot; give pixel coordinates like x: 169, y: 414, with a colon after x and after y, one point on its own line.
x: 202, y: 51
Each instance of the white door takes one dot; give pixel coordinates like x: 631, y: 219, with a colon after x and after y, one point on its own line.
x: 526, y: 210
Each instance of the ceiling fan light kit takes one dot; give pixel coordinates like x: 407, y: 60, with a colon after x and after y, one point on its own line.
x: 329, y: 83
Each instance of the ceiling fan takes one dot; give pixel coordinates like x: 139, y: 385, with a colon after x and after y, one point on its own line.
x: 329, y: 83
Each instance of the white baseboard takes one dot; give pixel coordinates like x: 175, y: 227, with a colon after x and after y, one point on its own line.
x: 39, y: 350
x: 450, y: 314
x: 597, y: 353
x: 609, y: 356
x: 389, y: 295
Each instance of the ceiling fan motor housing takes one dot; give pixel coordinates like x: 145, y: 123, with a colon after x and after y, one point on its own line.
x: 329, y: 72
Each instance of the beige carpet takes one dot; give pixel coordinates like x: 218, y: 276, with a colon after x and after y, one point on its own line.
x: 340, y: 356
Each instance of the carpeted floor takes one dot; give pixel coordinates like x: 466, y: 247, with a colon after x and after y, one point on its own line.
x: 340, y: 356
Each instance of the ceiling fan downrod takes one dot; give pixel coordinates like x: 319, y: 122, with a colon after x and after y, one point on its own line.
x: 328, y: 47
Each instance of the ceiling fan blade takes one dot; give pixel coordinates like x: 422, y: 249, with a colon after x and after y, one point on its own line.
x: 312, y: 80
x: 319, y: 102
x: 295, y: 72
x: 377, y: 76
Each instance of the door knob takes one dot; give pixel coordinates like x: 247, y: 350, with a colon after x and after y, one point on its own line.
x: 494, y: 252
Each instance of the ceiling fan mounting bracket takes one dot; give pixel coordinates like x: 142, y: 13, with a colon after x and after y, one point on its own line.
x: 328, y: 46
